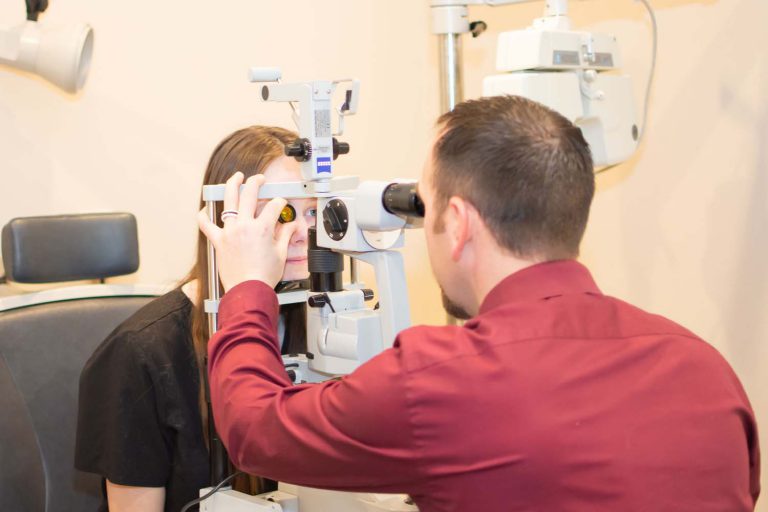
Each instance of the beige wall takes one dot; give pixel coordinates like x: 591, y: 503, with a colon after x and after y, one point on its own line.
x: 681, y: 230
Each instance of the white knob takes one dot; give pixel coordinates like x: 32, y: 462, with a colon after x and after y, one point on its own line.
x: 264, y: 74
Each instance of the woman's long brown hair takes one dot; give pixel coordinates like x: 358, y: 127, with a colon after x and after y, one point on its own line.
x: 249, y: 150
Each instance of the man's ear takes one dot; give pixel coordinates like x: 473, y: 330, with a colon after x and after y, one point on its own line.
x: 458, y: 225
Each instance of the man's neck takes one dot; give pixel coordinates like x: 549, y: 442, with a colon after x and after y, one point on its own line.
x: 491, y: 269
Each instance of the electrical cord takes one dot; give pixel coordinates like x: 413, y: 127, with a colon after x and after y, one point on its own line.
x: 655, y: 27
x: 211, y: 493
x: 651, y: 75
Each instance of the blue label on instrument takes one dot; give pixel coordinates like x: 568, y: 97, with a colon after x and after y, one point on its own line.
x: 323, y: 164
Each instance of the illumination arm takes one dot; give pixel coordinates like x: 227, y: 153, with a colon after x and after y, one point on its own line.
x: 60, y: 55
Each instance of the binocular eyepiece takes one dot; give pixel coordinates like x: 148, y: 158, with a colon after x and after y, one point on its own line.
x: 403, y: 199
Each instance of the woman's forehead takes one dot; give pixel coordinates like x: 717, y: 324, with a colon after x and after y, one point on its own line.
x: 283, y: 169
x: 307, y: 201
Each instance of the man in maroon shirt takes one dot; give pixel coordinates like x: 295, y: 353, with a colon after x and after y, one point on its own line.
x: 552, y: 396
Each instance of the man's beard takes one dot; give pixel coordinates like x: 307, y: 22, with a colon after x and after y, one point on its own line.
x: 454, y: 309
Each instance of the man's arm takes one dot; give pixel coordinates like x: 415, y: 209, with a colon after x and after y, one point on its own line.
x: 350, y: 434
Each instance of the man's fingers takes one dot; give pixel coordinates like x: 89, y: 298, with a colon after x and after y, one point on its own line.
x: 285, y: 232
x: 209, y: 229
x: 232, y: 192
x: 250, y: 196
x: 272, y: 209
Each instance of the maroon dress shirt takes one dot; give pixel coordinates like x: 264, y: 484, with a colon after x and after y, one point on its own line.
x: 554, y: 397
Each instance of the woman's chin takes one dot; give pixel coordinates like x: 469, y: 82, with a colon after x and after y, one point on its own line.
x: 296, y: 271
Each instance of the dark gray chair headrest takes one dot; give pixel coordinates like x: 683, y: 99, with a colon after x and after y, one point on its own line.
x: 70, y: 247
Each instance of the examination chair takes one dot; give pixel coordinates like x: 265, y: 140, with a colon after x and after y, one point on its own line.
x: 46, y: 338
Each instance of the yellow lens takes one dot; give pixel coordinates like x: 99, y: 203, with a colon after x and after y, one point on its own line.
x: 287, y: 215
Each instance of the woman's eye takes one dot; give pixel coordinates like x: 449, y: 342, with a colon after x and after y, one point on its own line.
x: 312, y: 212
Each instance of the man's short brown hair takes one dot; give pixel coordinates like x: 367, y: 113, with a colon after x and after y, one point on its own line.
x: 526, y: 169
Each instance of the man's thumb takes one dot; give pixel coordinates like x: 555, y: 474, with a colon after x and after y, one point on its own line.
x: 286, y: 232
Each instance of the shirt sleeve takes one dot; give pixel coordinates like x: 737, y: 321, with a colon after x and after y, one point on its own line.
x: 352, y: 434
x: 119, y: 431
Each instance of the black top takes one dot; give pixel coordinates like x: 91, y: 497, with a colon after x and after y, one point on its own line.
x: 139, y: 420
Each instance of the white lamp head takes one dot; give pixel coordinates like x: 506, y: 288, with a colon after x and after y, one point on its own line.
x: 61, y: 55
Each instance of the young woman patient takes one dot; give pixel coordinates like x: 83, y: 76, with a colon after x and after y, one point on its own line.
x: 142, y: 419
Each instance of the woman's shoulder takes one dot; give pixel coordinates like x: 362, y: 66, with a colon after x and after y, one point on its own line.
x: 162, y: 325
x: 163, y: 312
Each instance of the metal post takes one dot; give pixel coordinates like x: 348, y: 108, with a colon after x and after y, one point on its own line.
x: 219, y: 459
x: 451, y: 76
x: 449, y: 23
x: 352, y: 270
x: 213, y: 273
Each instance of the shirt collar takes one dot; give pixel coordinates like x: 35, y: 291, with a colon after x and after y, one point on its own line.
x: 541, y: 281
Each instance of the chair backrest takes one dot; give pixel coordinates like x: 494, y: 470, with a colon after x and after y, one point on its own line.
x: 43, y: 348
x: 70, y: 247
x: 45, y: 339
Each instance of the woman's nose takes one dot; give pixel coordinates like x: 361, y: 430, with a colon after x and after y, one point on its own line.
x: 300, y: 235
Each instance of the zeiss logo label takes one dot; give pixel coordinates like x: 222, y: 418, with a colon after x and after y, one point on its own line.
x: 324, y: 164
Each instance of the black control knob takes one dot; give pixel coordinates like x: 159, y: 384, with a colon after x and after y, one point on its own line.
x: 300, y: 149
x: 317, y: 301
x: 339, y: 148
x: 477, y: 28
x: 367, y: 294
x: 335, y: 219
x: 332, y: 221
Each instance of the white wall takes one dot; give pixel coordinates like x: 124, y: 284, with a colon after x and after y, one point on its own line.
x: 681, y: 230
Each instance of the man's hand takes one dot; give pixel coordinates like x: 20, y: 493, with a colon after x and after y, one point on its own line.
x: 248, y: 247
